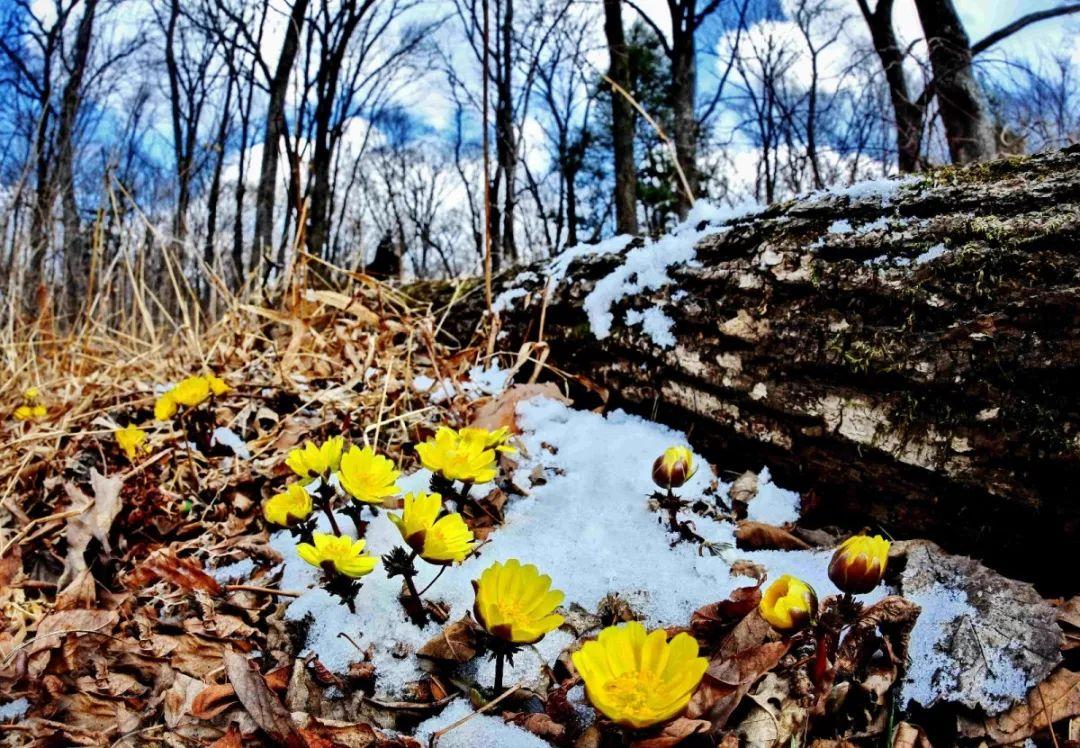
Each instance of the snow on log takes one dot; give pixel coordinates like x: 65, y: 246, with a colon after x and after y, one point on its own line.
x: 906, y: 352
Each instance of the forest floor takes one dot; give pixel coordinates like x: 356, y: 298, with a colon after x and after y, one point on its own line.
x: 146, y: 600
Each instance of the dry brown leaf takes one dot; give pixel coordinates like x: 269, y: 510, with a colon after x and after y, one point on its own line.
x: 673, y: 733
x: 232, y: 738
x: 539, y: 724
x: 1055, y: 699
x: 94, y: 521
x: 260, y: 703
x: 184, y: 573
x: 754, y: 536
x: 455, y: 643
x: 55, y: 627
x: 727, y: 680
x: 212, y: 701
x: 502, y: 411
x: 712, y: 621
x: 893, y: 617
x: 908, y: 735
x: 775, y: 716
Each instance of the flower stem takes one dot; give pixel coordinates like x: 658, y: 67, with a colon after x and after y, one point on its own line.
x: 672, y: 508
x: 433, y: 581
x: 326, y: 498
x: 333, y: 520
x: 500, y: 658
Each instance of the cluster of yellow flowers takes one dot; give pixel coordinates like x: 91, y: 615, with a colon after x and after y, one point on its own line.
x: 468, y: 455
x: 440, y: 538
x: 857, y: 567
x: 635, y: 678
x: 31, y: 409
x: 188, y: 392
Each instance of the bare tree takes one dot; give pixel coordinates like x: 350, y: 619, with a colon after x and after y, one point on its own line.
x: 622, y: 121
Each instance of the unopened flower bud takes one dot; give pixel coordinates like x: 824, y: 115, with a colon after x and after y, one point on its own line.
x: 673, y: 468
x: 789, y: 604
x: 859, y: 563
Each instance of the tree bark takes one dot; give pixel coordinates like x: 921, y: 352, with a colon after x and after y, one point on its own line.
x: 275, y: 128
x: 622, y: 121
x: 906, y: 360
x: 907, y: 113
x: 963, y: 108
x: 683, y: 94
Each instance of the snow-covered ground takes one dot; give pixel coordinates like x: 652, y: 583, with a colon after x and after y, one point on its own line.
x: 586, y: 522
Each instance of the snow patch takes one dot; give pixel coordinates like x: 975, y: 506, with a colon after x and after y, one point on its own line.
x: 237, y: 572
x: 14, y: 709
x: 481, y: 731
x: 229, y: 438
x: 772, y: 505
x: 933, y: 253
x: 655, y: 324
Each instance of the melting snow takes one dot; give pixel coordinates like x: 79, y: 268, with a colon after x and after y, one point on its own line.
x: 655, y: 324
x: 588, y: 525
x: 481, y: 731
x: 237, y: 572
x: 14, y: 709
x: 229, y: 438
x: 933, y: 253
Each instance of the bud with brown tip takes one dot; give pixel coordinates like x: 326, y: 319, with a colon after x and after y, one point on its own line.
x: 859, y: 563
x: 673, y: 468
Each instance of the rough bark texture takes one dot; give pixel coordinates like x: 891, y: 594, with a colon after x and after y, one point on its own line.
x: 935, y: 398
x: 622, y: 122
x: 960, y: 98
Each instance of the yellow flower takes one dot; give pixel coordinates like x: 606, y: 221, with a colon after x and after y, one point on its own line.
x: 189, y: 392
x: 367, y: 476
x: 456, y: 458
x: 132, y: 440
x: 516, y: 603
x: 289, y: 507
x: 316, y: 460
x: 337, y: 553
x: 639, y: 679
x: 439, y: 541
x: 673, y: 468
x: 30, y: 410
x: 165, y: 407
x: 788, y: 604
x: 859, y: 563
x: 489, y: 439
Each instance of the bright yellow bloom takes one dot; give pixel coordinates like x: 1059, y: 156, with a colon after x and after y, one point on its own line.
x: 516, y: 603
x: 337, y: 553
x: 289, y: 507
x: 30, y: 412
x: 859, y: 563
x: 636, y: 679
x: 313, y: 460
x: 489, y: 439
x: 673, y: 468
x: 367, y: 476
x: 132, y: 440
x: 189, y: 392
x: 165, y: 407
x: 443, y: 540
x: 788, y: 604
x: 457, y: 458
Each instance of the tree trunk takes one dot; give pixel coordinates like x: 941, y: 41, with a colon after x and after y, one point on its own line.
x: 910, y: 360
x: 907, y: 113
x: 959, y: 95
x: 622, y: 121
x: 683, y: 93
x: 275, y: 128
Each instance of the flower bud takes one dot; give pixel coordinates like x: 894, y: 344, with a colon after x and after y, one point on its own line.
x: 789, y: 604
x: 859, y: 563
x: 673, y: 468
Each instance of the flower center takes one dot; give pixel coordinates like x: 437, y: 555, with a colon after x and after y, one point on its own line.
x: 513, y: 612
x: 632, y: 691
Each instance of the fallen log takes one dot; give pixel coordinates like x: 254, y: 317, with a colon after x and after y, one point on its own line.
x: 907, y: 354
